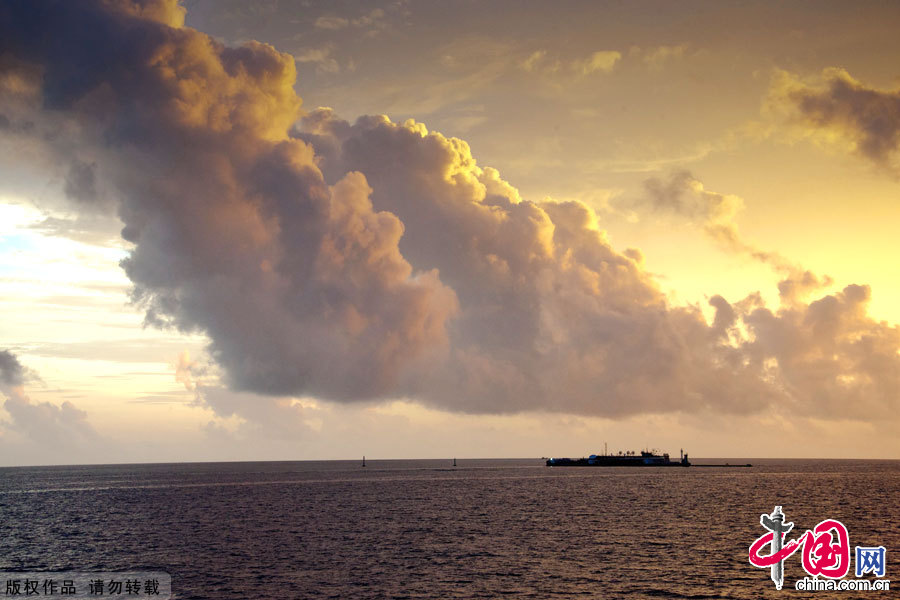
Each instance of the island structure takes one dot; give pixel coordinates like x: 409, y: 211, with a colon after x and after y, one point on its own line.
x: 623, y: 459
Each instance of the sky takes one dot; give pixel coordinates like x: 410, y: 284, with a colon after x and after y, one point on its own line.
x: 321, y: 230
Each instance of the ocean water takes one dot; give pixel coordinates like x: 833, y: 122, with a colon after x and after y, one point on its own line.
x: 423, y: 529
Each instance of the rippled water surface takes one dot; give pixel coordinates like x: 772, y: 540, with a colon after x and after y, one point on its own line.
x: 423, y: 529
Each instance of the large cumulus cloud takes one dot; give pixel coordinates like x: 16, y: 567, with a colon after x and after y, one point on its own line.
x: 299, y: 284
x: 551, y: 316
x: 366, y: 260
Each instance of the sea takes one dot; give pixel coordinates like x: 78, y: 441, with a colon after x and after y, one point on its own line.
x: 398, y: 529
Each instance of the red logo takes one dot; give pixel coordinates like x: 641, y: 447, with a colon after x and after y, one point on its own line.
x: 826, y: 548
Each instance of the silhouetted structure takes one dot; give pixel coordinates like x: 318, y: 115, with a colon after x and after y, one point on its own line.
x: 622, y: 459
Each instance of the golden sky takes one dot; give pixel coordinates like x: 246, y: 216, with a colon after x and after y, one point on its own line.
x: 302, y: 230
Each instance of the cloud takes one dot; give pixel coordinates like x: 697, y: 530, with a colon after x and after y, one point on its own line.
x: 837, y: 109
x: 531, y: 63
x: 87, y: 227
x: 64, y: 425
x: 238, y: 416
x: 255, y: 416
x: 331, y: 22
x: 111, y: 350
x: 657, y: 57
x: 374, y: 260
x: 299, y: 284
x: 11, y: 372
x: 81, y: 181
x: 603, y: 62
x: 372, y: 21
x: 686, y: 196
x: 320, y: 57
x: 551, y: 317
x: 827, y: 356
x: 43, y: 422
x: 468, y: 64
x: 187, y: 370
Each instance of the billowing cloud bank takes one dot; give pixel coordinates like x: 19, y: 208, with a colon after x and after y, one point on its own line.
x: 375, y: 259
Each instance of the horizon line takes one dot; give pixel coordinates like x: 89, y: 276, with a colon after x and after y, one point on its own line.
x: 370, y: 459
